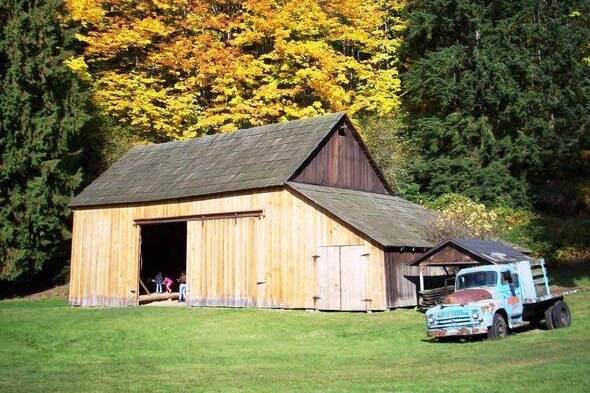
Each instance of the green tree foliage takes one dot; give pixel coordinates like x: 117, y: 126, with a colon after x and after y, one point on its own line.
x: 497, y: 94
x: 41, y: 115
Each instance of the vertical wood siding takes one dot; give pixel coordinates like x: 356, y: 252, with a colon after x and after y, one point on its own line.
x: 105, y: 256
x: 342, y: 163
x: 401, y: 279
x: 222, y: 262
x: 264, y: 262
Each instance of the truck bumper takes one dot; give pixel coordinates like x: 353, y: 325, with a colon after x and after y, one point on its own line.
x: 460, y: 331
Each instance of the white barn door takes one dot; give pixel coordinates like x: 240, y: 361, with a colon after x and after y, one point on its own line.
x: 342, y: 278
x: 353, y: 278
x: 328, y: 279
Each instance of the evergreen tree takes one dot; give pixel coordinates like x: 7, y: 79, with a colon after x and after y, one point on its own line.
x: 41, y: 115
x: 497, y: 94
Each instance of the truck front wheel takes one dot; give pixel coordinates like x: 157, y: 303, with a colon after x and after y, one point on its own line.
x: 561, y: 315
x: 498, y: 329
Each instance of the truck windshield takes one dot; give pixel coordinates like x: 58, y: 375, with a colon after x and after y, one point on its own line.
x: 477, y: 279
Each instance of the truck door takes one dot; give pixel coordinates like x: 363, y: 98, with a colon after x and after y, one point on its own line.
x: 512, y: 292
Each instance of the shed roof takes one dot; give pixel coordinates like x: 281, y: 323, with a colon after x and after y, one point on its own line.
x: 257, y: 157
x: 389, y: 220
x: 484, y: 251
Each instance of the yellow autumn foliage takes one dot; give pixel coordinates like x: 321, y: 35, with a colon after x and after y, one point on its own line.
x: 179, y: 69
x: 460, y: 217
x: 79, y: 68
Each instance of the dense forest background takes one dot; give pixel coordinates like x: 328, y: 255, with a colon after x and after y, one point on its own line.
x: 477, y: 109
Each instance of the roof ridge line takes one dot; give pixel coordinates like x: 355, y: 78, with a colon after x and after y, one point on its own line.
x: 141, y: 147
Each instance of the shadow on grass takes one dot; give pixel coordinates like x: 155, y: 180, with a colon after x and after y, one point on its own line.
x: 532, y: 328
x: 9, y: 290
x: 455, y: 339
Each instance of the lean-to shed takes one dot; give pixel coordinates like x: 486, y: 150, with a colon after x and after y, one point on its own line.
x: 292, y: 215
x: 455, y: 254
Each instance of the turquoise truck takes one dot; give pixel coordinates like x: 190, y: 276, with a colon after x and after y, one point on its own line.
x: 491, y: 299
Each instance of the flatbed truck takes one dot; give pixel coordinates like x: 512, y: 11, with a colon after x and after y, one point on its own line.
x: 491, y: 299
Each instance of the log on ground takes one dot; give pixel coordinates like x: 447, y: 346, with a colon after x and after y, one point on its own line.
x: 157, y: 297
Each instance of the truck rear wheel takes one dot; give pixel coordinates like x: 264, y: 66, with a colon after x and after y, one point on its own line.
x: 561, y: 315
x: 549, y: 318
x: 498, y: 329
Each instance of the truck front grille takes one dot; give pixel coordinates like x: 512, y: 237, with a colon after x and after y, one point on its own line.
x: 453, y: 316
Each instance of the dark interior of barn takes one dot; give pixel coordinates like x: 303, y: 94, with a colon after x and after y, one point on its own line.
x: 163, y: 249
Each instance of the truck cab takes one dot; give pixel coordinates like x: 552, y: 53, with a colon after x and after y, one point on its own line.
x: 491, y: 299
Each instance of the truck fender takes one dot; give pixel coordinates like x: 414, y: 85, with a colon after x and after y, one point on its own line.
x: 504, y: 315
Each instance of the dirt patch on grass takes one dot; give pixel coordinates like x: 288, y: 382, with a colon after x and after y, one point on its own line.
x: 59, y: 292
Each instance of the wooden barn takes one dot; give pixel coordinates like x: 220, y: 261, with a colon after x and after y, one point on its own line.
x: 289, y: 215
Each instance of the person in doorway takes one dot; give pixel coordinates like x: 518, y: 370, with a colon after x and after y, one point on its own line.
x: 158, y: 280
x: 181, y: 287
x: 168, y: 284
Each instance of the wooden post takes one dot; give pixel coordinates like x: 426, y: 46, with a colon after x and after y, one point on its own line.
x: 144, y: 287
x: 421, y: 278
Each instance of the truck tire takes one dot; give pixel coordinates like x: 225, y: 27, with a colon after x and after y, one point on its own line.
x: 499, y: 329
x: 549, y: 318
x: 561, y: 315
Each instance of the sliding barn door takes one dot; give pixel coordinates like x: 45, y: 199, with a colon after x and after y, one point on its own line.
x: 221, y: 262
x: 342, y: 278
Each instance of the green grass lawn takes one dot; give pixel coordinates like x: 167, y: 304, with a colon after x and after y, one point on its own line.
x: 46, y: 346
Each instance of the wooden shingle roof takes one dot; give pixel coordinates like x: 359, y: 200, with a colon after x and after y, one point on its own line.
x: 255, y: 158
x: 247, y: 159
x: 389, y: 220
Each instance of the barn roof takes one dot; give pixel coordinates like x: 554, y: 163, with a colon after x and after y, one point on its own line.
x: 483, y: 251
x: 247, y: 159
x: 389, y: 220
x: 254, y: 158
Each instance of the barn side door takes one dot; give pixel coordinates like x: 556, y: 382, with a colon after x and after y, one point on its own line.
x: 353, y: 278
x: 341, y: 278
x: 328, y: 278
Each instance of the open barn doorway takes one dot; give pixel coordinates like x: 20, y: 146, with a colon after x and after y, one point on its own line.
x: 163, y: 250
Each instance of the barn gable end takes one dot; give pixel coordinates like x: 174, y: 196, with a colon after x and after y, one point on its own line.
x: 451, y: 254
x: 342, y: 161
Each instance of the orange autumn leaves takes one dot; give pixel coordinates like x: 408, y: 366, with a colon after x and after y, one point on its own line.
x: 179, y: 69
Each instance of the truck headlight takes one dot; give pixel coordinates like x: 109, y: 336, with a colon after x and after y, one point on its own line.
x: 430, y: 319
x: 475, y: 315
